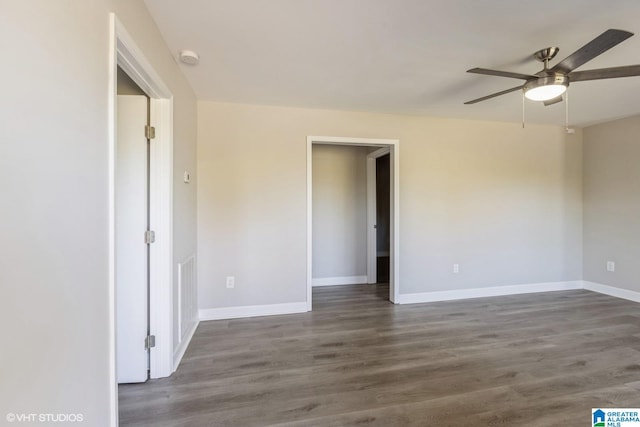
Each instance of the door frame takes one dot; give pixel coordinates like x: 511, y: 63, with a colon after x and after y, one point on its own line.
x: 393, y: 145
x: 372, y: 247
x: 124, y: 52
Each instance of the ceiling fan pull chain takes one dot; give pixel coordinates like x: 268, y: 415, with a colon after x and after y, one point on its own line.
x: 523, y: 110
x: 566, y: 111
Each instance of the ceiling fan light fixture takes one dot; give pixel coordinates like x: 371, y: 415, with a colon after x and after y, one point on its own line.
x: 546, y: 88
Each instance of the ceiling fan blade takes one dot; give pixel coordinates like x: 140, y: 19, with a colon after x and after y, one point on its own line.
x: 605, y: 73
x: 493, y: 95
x: 552, y: 101
x: 501, y: 73
x: 595, y: 47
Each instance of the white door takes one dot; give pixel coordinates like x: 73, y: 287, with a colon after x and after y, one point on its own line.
x: 131, y: 250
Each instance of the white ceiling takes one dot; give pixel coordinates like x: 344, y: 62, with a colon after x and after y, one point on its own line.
x: 399, y: 56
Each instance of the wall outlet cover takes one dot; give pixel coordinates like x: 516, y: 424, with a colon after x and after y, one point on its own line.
x: 611, y: 266
x: 231, y: 282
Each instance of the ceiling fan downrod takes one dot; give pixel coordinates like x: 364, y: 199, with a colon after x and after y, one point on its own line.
x: 546, y: 55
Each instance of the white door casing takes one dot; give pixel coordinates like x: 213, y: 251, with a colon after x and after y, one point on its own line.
x: 131, y: 250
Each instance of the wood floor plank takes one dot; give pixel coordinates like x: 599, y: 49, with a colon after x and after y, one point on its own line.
x: 359, y: 360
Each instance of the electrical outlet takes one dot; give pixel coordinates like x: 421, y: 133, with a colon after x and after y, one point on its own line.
x: 611, y: 266
x: 456, y: 268
x: 231, y: 282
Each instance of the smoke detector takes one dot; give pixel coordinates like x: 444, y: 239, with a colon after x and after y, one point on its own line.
x: 189, y: 57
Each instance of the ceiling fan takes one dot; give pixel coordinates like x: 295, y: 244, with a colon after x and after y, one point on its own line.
x: 549, y: 84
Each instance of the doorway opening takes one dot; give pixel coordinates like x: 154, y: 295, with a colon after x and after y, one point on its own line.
x: 374, y: 149
x: 126, y: 55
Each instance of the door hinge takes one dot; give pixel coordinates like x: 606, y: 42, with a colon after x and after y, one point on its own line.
x: 149, y: 342
x: 149, y: 132
x: 149, y: 237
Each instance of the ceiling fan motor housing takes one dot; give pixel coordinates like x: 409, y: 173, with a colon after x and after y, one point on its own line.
x: 549, y: 79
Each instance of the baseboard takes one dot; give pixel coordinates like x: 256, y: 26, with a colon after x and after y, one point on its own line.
x: 424, y: 297
x: 335, y: 281
x: 612, y: 291
x: 488, y: 292
x: 182, y: 348
x: 251, y: 311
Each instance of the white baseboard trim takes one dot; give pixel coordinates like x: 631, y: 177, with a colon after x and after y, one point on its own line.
x: 335, y: 281
x: 488, y: 292
x: 424, y: 297
x: 612, y: 291
x: 182, y: 348
x: 252, y: 311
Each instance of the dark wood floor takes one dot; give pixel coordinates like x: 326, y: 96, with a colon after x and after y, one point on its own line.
x: 528, y: 360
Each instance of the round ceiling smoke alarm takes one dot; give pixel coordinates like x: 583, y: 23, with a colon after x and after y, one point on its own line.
x: 189, y: 57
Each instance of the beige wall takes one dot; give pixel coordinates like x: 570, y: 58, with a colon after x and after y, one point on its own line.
x: 126, y: 86
x: 612, y: 203
x: 54, y: 183
x: 503, y: 202
x: 339, y: 211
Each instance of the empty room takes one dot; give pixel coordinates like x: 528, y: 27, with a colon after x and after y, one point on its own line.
x: 320, y: 213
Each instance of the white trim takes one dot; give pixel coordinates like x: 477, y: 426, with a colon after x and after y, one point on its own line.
x: 612, y: 291
x: 494, y: 291
x: 251, y: 311
x: 182, y: 348
x: 380, y: 152
x: 309, y: 283
x: 339, y: 140
x: 133, y: 62
x: 337, y: 281
x: 425, y: 297
x: 113, y: 73
x: 393, y: 145
x: 458, y: 294
x: 372, y: 262
x: 125, y: 53
x: 161, y: 220
x: 394, y: 256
